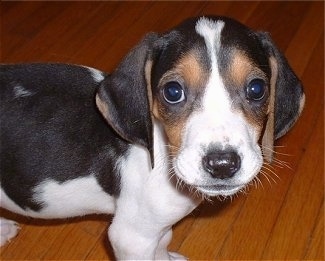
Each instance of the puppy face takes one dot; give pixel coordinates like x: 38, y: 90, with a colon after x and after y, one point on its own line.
x: 213, y: 84
x: 211, y: 93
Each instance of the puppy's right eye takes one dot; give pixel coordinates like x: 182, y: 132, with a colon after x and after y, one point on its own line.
x: 256, y: 90
x: 173, y: 93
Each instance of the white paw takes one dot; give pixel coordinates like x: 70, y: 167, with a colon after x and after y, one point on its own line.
x: 177, y: 257
x: 8, y: 230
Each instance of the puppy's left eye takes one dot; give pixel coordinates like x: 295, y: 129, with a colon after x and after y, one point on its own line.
x: 173, y: 93
x: 256, y: 90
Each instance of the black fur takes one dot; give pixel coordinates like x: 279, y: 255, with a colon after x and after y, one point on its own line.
x: 126, y: 96
x: 53, y: 132
x: 288, y: 91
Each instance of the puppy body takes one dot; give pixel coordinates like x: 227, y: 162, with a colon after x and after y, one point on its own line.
x: 179, y: 119
x: 107, y: 174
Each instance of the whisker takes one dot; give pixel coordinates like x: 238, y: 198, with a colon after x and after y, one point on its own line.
x: 276, y: 152
x: 257, y: 181
x: 270, y: 169
x: 274, y: 174
x: 268, y: 177
x: 282, y: 163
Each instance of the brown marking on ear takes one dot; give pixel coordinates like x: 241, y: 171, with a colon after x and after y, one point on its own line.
x: 301, y: 104
x: 147, y: 75
x: 155, y: 110
x: 268, y: 136
x: 102, y: 107
x: 147, y: 71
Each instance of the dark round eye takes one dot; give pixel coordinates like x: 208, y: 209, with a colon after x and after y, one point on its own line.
x: 256, y: 90
x: 173, y: 93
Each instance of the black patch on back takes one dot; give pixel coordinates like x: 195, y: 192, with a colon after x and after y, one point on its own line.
x: 56, y: 133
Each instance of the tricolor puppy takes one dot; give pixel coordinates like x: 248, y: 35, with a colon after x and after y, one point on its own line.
x: 180, y: 119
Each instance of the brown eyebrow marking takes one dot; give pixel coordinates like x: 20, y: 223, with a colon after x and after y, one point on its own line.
x: 192, y: 70
x: 189, y: 69
x: 241, y: 66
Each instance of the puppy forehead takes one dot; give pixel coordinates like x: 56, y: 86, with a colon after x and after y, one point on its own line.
x: 234, y: 51
x: 205, y: 36
x: 218, y: 42
x: 215, y: 52
x: 191, y: 51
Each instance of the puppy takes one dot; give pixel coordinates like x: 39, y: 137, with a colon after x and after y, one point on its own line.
x: 181, y: 118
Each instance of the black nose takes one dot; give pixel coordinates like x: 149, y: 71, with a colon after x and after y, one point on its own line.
x: 221, y: 164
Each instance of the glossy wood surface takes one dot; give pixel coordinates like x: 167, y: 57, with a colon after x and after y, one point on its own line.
x: 283, y: 218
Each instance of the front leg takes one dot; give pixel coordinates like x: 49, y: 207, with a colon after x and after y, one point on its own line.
x: 132, y: 241
x: 162, y: 253
x: 148, y: 206
x: 130, y: 244
x: 141, y: 229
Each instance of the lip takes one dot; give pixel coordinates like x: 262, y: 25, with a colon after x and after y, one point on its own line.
x: 222, y: 190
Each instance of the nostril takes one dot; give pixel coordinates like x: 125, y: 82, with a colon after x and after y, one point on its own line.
x: 222, y: 164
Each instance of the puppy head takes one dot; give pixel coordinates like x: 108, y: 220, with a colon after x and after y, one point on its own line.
x: 217, y: 88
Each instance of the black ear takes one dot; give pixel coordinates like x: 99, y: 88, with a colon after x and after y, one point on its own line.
x: 287, y: 98
x: 124, y: 98
x: 289, y: 95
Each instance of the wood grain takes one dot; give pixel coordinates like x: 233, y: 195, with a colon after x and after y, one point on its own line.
x: 281, y: 219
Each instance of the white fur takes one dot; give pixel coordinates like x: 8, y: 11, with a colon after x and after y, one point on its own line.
x: 222, y: 126
x: 149, y: 204
x: 97, y: 75
x: 71, y: 198
x: 20, y: 91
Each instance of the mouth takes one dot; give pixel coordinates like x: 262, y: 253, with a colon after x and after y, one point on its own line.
x: 219, y: 190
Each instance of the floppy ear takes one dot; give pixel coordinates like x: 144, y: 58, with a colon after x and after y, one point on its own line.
x: 268, y: 136
x: 124, y: 99
x: 287, y: 97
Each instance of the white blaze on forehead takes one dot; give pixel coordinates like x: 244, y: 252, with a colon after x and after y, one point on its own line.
x: 216, y: 98
x: 211, y: 32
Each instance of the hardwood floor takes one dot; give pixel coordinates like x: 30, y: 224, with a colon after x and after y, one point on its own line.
x: 281, y: 219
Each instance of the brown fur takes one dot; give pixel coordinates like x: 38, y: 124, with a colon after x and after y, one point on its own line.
x: 242, y: 69
x: 268, y: 137
x: 191, y: 73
